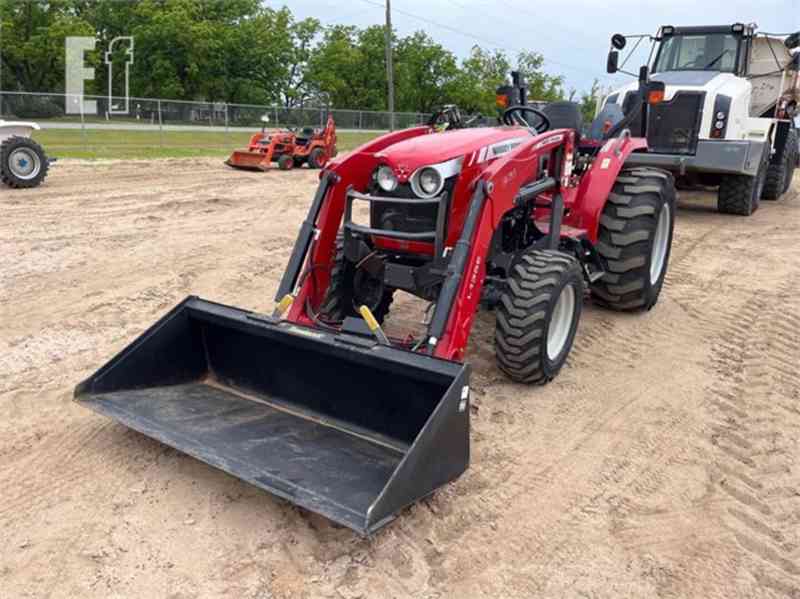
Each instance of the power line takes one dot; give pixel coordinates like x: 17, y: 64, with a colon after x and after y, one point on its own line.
x: 527, y: 26
x: 478, y: 38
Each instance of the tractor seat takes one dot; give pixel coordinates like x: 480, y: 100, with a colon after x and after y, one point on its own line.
x: 565, y: 115
x: 306, y: 133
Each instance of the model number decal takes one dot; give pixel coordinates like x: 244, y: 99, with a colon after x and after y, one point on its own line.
x: 473, y: 280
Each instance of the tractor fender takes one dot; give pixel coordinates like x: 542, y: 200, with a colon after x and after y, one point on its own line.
x: 16, y: 129
x: 596, y: 184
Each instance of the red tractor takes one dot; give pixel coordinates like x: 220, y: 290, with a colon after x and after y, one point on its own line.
x: 288, y: 148
x: 315, y: 402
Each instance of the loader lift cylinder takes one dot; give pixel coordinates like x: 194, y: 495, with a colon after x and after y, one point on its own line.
x: 304, y: 237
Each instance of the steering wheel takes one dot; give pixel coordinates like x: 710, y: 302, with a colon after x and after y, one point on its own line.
x: 513, y: 115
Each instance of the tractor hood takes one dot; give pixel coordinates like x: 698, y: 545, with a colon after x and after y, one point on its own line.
x: 486, y: 143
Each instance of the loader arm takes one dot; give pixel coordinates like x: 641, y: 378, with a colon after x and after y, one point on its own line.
x: 317, y: 236
x: 496, y: 193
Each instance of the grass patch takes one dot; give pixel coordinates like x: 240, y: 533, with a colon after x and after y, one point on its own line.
x: 95, y: 144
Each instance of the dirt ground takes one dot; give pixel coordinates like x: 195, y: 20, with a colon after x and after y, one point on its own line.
x: 663, y: 462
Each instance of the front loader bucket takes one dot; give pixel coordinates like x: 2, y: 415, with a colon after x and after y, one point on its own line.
x: 249, y: 161
x: 335, y: 423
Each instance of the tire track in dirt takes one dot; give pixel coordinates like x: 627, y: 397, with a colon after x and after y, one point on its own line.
x: 65, y: 462
x: 757, y: 462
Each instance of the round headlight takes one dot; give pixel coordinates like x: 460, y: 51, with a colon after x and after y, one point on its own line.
x: 430, y: 181
x: 721, y: 116
x: 720, y: 124
x: 386, y: 178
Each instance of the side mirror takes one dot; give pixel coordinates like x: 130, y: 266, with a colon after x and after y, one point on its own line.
x: 618, y: 41
x: 793, y: 41
x: 612, y: 65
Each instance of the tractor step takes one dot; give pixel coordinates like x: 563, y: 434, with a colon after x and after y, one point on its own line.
x: 354, y: 432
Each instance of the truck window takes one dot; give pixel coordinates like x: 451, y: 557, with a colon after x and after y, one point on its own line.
x: 701, y: 52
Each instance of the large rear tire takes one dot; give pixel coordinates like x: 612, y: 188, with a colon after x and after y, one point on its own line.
x: 23, y: 163
x: 350, y: 288
x: 538, y: 315
x: 741, y: 194
x: 635, y: 239
x: 317, y: 159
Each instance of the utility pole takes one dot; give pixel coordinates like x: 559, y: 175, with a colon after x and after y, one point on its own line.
x: 389, y: 65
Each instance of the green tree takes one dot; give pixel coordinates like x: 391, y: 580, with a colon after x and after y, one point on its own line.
x: 241, y: 51
x: 425, y: 74
x: 296, y: 86
x: 541, y: 86
x: 348, y: 66
x: 589, y: 102
x: 33, y: 43
x: 480, y: 74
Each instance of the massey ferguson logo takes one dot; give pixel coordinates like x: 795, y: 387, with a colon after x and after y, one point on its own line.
x: 550, y: 140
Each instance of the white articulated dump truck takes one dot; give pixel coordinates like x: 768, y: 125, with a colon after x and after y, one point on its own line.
x: 729, y: 113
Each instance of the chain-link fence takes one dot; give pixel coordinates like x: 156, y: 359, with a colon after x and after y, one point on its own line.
x: 54, y: 110
x: 96, y: 127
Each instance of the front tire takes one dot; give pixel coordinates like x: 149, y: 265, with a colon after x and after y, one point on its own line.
x: 350, y: 288
x: 286, y: 162
x: 538, y: 315
x: 23, y: 163
x: 741, y: 194
x: 635, y: 240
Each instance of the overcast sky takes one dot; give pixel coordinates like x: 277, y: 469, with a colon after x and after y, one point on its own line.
x: 571, y: 34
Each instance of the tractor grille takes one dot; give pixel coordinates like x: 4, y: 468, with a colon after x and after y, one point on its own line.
x: 406, y: 218
x: 674, y: 126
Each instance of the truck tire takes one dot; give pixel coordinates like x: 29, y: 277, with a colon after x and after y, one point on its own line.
x: 635, y: 239
x: 794, y: 157
x: 779, y: 175
x: 23, y: 163
x: 741, y: 194
x: 538, y: 315
x: 350, y: 288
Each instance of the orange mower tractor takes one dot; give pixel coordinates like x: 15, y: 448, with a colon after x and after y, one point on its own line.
x: 287, y: 148
x: 316, y: 402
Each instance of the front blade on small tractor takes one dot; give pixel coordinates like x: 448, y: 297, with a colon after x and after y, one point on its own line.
x: 249, y: 161
x: 337, y: 424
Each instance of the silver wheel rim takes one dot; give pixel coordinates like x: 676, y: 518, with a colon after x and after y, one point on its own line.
x: 660, y: 243
x: 24, y: 164
x: 561, y: 322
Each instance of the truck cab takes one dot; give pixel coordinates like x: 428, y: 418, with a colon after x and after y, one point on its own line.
x: 727, y: 114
